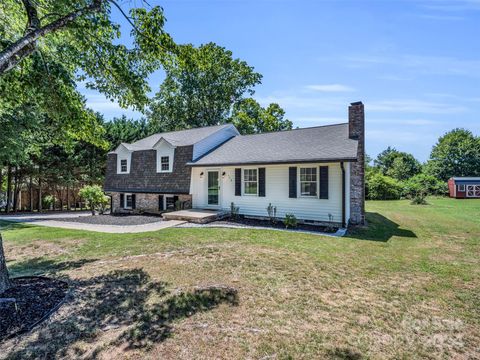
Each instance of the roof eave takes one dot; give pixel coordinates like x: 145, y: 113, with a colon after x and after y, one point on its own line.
x: 274, y: 162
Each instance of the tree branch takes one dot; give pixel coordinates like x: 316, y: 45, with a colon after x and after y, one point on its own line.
x: 17, y: 51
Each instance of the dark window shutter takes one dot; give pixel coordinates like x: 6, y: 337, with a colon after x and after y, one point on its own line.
x: 133, y: 201
x: 261, y: 182
x: 160, y: 203
x: 238, y: 182
x: 292, y: 182
x: 122, y: 201
x: 175, y: 199
x: 323, y: 182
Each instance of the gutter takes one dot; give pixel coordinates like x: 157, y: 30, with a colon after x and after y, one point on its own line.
x: 279, y: 162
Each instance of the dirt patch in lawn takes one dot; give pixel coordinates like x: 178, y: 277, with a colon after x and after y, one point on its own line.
x: 29, y: 301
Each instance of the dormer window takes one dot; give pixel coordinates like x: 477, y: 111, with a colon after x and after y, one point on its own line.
x: 165, y: 163
x: 123, y: 166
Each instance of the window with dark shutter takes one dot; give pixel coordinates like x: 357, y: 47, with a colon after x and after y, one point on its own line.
x: 323, y: 182
x: 160, y: 203
x: 292, y: 182
x: 261, y: 182
x: 122, y: 201
x: 133, y: 201
x: 238, y: 182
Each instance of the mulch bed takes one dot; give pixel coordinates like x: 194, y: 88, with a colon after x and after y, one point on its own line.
x: 117, y: 219
x: 36, y: 299
x: 278, y: 225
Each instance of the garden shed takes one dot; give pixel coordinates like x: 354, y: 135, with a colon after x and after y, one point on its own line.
x: 464, y: 187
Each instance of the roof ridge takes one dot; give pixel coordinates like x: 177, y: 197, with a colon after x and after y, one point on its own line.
x: 305, y: 128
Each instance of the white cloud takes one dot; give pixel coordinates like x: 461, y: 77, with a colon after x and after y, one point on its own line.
x: 330, y: 88
x: 409, y: 122
x: 440, y: 65
x: 413, y: 106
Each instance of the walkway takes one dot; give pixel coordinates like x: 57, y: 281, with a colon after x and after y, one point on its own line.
x: 48, y: 219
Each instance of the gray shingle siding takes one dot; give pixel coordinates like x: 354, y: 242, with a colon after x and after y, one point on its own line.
x: 143, y: 176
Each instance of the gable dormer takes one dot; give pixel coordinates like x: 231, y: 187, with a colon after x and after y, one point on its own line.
x: 124, y: 159
x: 165, y: 156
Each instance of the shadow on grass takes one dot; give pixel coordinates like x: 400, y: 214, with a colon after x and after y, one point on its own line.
x: 140, y: 313
x: 379, y: 228
x: 44, y: 266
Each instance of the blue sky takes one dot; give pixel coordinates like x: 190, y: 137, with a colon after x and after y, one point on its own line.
x: 414, y: 64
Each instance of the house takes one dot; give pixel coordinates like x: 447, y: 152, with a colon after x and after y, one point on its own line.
x: 464, y: 187
x: 315, y: 173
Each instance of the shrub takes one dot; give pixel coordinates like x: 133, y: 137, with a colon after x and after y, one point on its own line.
x: 94, y: 196
x: 424, y: 184
x: 290, y: 221
x: 272, y: 213
x: 47, y: 202
x: 234, y: 210
x: 381, y: 187
x: 419, y: 199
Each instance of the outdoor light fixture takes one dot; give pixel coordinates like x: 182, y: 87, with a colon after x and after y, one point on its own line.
x: 201, y: 175
x: 223, y: 175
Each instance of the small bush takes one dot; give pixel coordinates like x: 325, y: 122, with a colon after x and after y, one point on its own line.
x: 272, y: 213
x: 419, y: 199
x: 95, y: 198
x: 234, y: 210
x: 290, y: 221
x: 423, y: 184
x: 47, y: 202
x: 381, y: 187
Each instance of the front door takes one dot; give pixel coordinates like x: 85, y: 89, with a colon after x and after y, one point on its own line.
x: 213, y: 188
x: 473, y: 190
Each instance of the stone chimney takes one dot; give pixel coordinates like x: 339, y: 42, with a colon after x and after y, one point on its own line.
x: 356, y: 131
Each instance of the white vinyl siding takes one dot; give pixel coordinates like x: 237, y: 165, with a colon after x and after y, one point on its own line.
x: 276, y: 186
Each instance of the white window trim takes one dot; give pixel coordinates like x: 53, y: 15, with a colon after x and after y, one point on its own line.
x: 126, y: 171
x: 125, y: 202
x: 169, y: 164
x: 165, y: 196
x: 299, y: 183
x: 243, y: 181
x: 460, y: 189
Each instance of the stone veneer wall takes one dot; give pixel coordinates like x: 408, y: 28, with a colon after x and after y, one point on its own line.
x: 144, y: 202
x: 356, y: 128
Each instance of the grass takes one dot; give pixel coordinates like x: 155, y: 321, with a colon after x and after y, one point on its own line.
x: 407, y: 286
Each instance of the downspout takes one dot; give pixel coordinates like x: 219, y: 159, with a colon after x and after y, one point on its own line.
x: 343, y: 193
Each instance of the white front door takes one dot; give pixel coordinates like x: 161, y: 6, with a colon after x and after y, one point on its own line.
x: 473, y: 190
x: 213, y: 188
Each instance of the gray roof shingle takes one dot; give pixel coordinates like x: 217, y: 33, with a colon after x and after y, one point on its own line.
x: 176, y: 138
x: 322, y: 143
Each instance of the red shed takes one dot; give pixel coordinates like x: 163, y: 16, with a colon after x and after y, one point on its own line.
x: 464, y: 187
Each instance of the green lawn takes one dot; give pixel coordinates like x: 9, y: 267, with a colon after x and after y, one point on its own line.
x: 407, y: 286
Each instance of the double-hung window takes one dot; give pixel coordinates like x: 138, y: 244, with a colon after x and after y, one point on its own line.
x: 308, y: 181
x: 250, y: 181
x: 165, y: 163
x: 123, y: 165
x: 128, y: 201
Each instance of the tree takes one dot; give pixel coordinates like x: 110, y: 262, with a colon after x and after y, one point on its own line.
x: 201, y: 87
x: 47, y: 46
x: 397, y: 164
x: 250, y: 118
x: 122, y: 129
x: 457, y: 153
x: 381, y: 187
x: 4, y: 279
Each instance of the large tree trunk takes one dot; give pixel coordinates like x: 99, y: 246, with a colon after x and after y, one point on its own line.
x: 15, y: 190
x: 68, y: 197
x: 1, y: 182
x: 4, y: 278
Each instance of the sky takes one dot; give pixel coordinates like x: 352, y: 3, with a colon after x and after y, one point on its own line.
x: 414, y: 64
